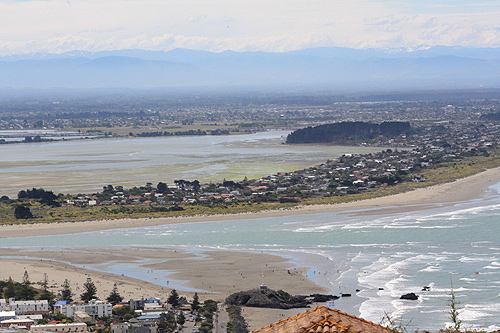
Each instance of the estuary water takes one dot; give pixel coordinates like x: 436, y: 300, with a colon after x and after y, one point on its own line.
x: 382, y: 255
x: 83, y: 166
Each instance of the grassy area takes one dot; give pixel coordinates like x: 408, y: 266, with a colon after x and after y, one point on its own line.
x: 443, y: 173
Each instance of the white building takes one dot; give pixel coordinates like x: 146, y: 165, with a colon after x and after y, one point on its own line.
x: 119, y: 327
x: 70, y: 327
x: 4, y: 315
x: 153, y: 307
x: 94, y: 308
x: 25, y: 307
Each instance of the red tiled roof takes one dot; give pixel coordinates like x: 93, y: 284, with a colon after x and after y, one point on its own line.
x: 323, y: 320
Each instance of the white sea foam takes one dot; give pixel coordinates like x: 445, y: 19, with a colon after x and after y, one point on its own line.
x: 467, y: 279
x: 468, y: 314
x: 419, y: 227
x: 476, y: 258
x: 461, y: 212
x: 431, y: 269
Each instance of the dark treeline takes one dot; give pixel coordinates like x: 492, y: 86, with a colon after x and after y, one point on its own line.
x: 181, y: 133
x: 24, y: 290
x: 491, y: 116
x: 45, y: 197
x: 345, y: 132
x: 96, y: 115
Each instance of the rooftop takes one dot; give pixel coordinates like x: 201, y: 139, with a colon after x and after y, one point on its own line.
x: 323, y: 319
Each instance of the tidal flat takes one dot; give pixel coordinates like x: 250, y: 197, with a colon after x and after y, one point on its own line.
x: 85, y: 166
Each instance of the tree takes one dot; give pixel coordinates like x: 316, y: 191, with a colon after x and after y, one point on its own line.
x: 22, y: 212
x: 26, y: 292
x: 166, y: 324
x: 114, y: 297
x: 209, y: 306
x: 181, y: 319
x: 26, y: 278
x: 123, y: 313
x: 61, y: 317
x: 161, y: 187
x: 45, y: 282
x: 90, y: 291
x: 196, y: 184
x: 9, y: 290
x: 66, y: 294
x: 45, y: 293
x: 108, y: 188
x: 196, y: 302
x: 173, y: 299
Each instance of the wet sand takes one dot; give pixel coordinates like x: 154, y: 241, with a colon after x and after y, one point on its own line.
x: 213, y: 274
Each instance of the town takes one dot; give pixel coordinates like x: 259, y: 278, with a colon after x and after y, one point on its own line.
x: 410, y: 161
x: 60, y: 313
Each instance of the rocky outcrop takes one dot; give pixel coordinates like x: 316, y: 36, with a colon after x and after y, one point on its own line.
x: 267, y: 298
x: 410, y: 296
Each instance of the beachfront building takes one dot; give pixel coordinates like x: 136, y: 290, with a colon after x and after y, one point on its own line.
x: 137, y: 304
x: 142, y: 326
x: 323, y: 319
x: 4, y: 315
x: 17, y: 323
x: 25, y: 307
x: 135, y: 326
x: 153, y: 307
x: 94, y: 308
x: 65, y: 328
x: 117, y: 327
x: 82, y: 317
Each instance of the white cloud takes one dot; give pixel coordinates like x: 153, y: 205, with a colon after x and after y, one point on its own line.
x: 269, y: 25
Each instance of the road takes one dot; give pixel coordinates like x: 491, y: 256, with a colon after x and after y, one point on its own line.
x: 221, y: 319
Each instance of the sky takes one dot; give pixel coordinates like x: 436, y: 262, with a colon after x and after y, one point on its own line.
x: 57, y: 26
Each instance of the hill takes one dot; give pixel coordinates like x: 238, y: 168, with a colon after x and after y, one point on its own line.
x: 345, y: 132
x: 310, y: 69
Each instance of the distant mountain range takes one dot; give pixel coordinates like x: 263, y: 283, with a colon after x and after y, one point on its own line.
x: 340, y: 69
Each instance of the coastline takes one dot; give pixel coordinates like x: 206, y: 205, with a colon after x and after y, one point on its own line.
x: 218, y: 273
x: 465, y: 189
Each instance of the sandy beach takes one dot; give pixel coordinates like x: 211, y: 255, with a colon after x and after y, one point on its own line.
x: 469, y: 188
x: 215, y: 274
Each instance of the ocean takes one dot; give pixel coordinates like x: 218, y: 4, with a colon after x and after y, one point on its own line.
x: 382, y: 255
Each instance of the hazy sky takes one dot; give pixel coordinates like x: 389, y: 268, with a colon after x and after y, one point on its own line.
x: 252, y: 25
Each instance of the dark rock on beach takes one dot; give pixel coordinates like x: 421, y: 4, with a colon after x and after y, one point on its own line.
x: 322, y: 298
x: 410, y: 296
